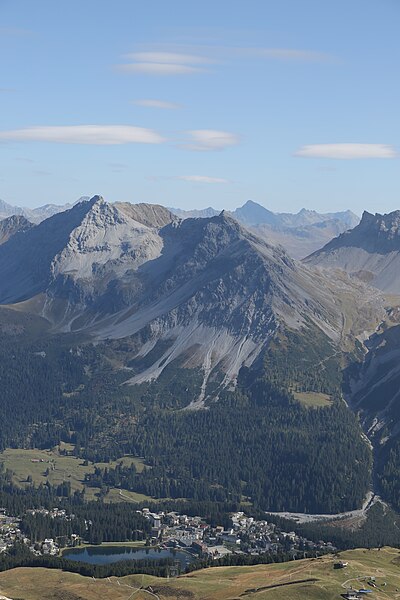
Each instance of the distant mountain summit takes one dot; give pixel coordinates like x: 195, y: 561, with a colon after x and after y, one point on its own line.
x: 252, y: 213
x: 370, y: 251
x: 12, y: 225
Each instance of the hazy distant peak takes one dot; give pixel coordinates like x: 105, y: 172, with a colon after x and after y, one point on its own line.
x: 252, y: 213
x: 150, y: 215
x: 202, y: 213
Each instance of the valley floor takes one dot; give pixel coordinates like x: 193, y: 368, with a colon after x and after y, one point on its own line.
x: 298, y: 580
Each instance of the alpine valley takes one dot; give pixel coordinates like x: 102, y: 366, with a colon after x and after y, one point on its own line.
x: 234, y: 373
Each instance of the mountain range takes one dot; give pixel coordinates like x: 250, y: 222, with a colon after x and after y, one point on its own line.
x: 208, y: 289
x: 300, y: 234
x: 34, y: 215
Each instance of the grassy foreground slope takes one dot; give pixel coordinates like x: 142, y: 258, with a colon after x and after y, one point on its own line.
x: 299, y: 580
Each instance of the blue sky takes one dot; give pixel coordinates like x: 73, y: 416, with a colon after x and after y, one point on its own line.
x: 289, y: 103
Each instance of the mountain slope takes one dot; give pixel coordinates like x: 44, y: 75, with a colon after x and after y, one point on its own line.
x: 370, y: 251
x: 149, y: 316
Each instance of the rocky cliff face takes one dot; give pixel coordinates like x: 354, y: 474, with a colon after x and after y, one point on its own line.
x: 370, y: 251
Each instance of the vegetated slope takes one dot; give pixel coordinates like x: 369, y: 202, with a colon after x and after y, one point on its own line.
x: 59, y: 388
x: 370, y: 251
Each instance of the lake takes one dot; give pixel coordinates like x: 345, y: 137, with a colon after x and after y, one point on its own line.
x: 104, y: 555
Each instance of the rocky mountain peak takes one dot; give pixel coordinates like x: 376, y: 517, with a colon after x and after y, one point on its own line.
x: 387, y: 226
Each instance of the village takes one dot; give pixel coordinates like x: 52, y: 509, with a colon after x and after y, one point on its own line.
x: 173, y: 530
x: 245, y: 536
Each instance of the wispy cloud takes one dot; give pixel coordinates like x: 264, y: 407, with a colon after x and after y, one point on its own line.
x: 157, y: 104
x: 206, y: 54
x: 202, y: 179
x: 180, y: 59
x: 84, y: 134
x: 174, y: 58
x: 158, y: 69
x: 205, y: 140
x: 347, y: 151
x: 163, y: 63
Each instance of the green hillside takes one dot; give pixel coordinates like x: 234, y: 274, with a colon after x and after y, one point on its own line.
x: 311, y: 579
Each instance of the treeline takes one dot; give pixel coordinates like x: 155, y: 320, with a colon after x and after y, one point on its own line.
x: 246, y: 560
x: 389, y: 473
